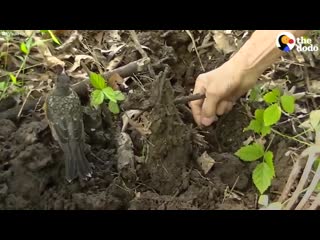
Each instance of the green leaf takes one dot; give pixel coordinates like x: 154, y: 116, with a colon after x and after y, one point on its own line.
x: 97, y: 97
x: 315, y: 118
x: 113, y: 107
x: 97, y: 81
x: 43, y: 31
x: 272, y: 114
x: 276, y: 91
x: 287, y: 103
x: 251, y: 152
x: 109, y: 93
x: 255, y: 94
x: 23, y: 48
x: 254, y: 125
x: 272, y: 97
x: 119, y: 95
x: 13, y: 78
x: 268, y: 157
x: 265, y: 130
x: 259, y: 115
x: 54, y: 38
x: 262, y: 176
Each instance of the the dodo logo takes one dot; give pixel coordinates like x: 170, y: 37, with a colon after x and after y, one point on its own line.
x: 285, y: 41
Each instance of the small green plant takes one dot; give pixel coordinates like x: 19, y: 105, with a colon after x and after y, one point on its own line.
x: 264, y: 119
x: 103, y: 92
x: 12, y: 84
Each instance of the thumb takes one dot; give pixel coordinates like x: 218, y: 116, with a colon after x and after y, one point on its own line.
x: 208, y: 111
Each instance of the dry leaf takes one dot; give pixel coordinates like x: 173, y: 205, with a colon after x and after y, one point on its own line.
x: 125, y: 153
x: 114, y: 63
x: 50, y: 60
x: 315, y: 86
x: 77, y: 62
x: 112, y: 36
x: 205, y: 162
x: 142, y: 125
x: 130, y: 114
x: 224, y: 43
x: 72, y: 39
x: 98, y: 37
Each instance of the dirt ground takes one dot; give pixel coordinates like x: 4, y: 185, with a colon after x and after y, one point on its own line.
x: 163, y: 173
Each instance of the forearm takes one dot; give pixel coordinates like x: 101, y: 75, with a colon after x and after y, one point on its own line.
x: 260, y: 51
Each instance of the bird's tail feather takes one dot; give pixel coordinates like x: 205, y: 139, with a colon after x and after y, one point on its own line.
x: 76, y: 163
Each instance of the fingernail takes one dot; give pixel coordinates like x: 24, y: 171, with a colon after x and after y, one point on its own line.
x: 207, y: 121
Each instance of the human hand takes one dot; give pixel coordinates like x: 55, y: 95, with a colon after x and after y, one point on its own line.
x: 222, y: 87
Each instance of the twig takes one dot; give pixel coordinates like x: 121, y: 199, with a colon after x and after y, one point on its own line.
x: 297, y: 167
x: 195, y: 48
x: 235, y: 183
x: 185, y: 99
x: 24, y: 102
x: 134, y: 38
x: 124, y: 71
x: 310, y: 190
x: 311, y: 151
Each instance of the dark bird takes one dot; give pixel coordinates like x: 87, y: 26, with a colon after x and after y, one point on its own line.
x: 64, y: 114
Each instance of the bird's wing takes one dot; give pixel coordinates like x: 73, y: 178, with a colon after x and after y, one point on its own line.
x: 65, y: 119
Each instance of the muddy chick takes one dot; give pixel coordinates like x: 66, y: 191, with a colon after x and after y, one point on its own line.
x: 64, y: 114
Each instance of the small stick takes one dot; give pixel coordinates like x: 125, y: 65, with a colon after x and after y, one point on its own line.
x: 310, y: 190
x: 311, y: 151
x: 185, y: 99
x: 292, y: 177
x: 24, y: 103
x: 134, y: 38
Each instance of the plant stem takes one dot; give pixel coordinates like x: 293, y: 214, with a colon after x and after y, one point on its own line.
x: 289, y: 137
x: 25, y: 58
x: 269, y: 144
x: 305, y: 131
